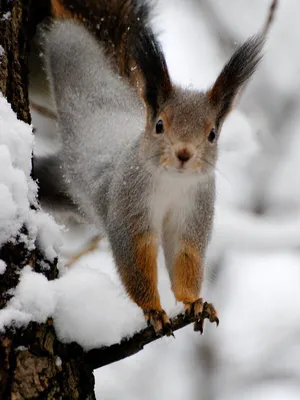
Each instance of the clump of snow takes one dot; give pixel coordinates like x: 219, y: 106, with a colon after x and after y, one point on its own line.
x: 92, y: 310
x: 33, y: 300
x: 88, y: 306
x: 18, y: 190
x: 6, y: 16
x: 58, y: 362
x: 17, y: 136
x: 34, y: 295
x: 16, y: 141
x: 21, y: 348
x: 88, y: 303
x: 92, y: 306
x: 2, y: 267
x: 12, y: 317
x: 47, y: 230
x: 1, y: 51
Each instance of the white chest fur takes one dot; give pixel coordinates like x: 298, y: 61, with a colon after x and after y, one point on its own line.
x: 172, y: 196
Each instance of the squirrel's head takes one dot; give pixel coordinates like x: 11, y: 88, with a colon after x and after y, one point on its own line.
x: 183, y: 126
x: 183, y: 136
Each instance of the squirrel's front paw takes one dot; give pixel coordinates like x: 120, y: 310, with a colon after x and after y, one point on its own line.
x: 159, y: 321
x: 201, y: 311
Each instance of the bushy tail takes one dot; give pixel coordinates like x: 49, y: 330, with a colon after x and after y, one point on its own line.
x: 114, y: 22
x: 53, y: 192
x: 122, y: 26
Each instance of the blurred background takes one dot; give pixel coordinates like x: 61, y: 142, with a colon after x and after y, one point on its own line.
x: 253, y: 263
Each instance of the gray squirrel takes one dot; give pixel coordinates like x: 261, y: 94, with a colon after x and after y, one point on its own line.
x: 138, y: 152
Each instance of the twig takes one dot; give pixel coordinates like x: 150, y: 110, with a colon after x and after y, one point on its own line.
x: 93, y: 244
x: 97, y: 358
x: 271, y: 15
x: 45, y: 112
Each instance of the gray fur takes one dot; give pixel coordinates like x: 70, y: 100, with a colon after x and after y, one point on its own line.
x: 86, y: 93
x: 124, y: 177
x: 53, y: 190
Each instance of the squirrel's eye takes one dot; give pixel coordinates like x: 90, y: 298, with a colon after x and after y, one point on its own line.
x: 159, y: 127
x: 212, y: 136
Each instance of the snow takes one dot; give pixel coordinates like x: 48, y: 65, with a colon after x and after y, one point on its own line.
x: 33, y: 300
x: 92, y: 306
x: 17, y: 189
x: 254, y: 354
x: 48, y: 236
x: 92, y: 310
x: 2, y: 267
x: 21, y: 348
x: 6, y: 16
x: 34, y: 296
x: 88, y: 303
x: 58, y: 362
x: 73, y: 302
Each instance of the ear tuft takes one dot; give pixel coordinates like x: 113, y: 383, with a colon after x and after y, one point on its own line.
x: 235, y: 74
x: 150, y: 61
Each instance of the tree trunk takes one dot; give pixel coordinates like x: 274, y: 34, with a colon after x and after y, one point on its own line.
x: 33, y: 363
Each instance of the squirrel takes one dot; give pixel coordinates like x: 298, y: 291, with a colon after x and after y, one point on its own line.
x: 139, y: 152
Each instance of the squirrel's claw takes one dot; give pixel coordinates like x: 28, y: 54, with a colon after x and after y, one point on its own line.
x: 201, y: 311
x: 194, y: 308
x: 160, y: 322
x: 210, y: 313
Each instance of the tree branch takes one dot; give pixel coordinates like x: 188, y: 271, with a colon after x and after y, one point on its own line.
x: 43, y: 111
x: 97, y: 358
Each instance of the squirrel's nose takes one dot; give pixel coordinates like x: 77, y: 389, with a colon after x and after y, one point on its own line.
x: 184, y: 155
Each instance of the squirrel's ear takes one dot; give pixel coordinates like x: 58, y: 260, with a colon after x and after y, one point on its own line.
x: 154, y: 80
x: 234, y: 75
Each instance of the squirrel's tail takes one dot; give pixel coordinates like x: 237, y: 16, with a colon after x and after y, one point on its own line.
x: 122, y: 27
x: 53, y: 192
x: 114, y: 22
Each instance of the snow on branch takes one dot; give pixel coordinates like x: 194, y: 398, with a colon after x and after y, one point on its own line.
x: 97, y: 358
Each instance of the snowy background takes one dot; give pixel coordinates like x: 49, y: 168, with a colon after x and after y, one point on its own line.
x: 253, y: 265
x: 254, y: 258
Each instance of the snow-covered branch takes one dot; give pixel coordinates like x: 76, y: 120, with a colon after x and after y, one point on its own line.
x: 97, y: 358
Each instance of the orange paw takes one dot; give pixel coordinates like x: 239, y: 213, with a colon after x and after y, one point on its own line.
x: 159, y: 321
x: 201, y: 311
